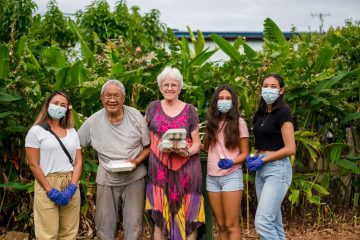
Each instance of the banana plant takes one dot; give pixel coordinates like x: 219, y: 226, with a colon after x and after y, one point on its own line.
x: 275, y: 38
x: 194, y: 63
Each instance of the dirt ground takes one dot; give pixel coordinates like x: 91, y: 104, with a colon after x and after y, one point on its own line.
x: 345, y: 229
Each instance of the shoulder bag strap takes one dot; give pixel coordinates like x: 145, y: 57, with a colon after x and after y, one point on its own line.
x: 46, y: 126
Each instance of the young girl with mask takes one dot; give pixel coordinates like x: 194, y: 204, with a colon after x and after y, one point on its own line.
x: 274, y: 143
x: 57, y: 198
x: 227, y: 144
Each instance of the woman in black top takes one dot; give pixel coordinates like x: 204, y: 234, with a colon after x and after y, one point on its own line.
x: 274, y: 143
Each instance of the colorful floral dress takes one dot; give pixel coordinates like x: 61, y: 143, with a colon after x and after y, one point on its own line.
x: 174, y: 191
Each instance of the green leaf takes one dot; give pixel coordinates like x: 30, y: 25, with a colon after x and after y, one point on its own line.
x: 344, y: 163
x: 226, y: 47
x: 77, y: 119
x: 6, y: 97
x: 85, y: 50
x: 320, y: 189
x: 313, y: 199
x: 78, y: 73
x: 15, y: 185
x: 200, y: 59
x: 238, y: 42
x: 116, y: 70
x: 6, y: 114
x: 185, y: 51
x: 323, y: 59
x: 19, y: 47
x: 325, y: 181
x: 340, y: 76
x: 273, y: 33
x: 33, y: 60
x: 198, y: 43
x: 17, y: 129
x: 336, y: 149
x: 4, y: 62
x: 60, y: 78
x: 249, y: 52
x: 294, y: 196
x: 351, y: 117
x: 55, y: 57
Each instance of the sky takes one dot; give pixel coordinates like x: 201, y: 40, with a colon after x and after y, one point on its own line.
x: 236, y: 15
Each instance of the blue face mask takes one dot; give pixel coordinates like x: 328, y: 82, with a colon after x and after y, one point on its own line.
x: 269, y: 94
x: 224, y: 105
x: 56, y: 111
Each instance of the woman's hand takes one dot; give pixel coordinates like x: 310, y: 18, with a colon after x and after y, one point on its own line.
x: 183, y: 152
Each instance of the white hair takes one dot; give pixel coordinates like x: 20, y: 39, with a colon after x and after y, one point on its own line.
x: 172, y: 73
x: 113, y: 82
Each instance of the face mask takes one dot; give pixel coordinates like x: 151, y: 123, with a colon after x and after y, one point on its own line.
x: 56, y: 111
x: 269, y: 94
x: 224, y: 105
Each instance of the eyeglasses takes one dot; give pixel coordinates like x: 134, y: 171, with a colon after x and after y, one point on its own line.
x: 170, y: 85
x: 110, y: 96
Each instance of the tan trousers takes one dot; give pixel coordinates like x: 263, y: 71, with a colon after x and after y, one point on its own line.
x: 51, y: 220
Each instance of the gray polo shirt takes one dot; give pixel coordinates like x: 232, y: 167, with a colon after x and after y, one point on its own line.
x: 116, y: 143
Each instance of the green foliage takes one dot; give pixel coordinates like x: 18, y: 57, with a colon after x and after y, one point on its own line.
x: 15, y: 18
x: 56, y: 27
x: 139, y: 31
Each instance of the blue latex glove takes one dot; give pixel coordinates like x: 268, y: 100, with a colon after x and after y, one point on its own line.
x: 225, y: 163
x: 249, y: 158
x: 56, y: 196
x: 69, y: 192
x: 256, y: 164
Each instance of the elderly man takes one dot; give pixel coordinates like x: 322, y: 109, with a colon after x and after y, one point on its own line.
x: 119, y: 134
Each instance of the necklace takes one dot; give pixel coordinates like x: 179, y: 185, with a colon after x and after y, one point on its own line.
x: 265, y: 118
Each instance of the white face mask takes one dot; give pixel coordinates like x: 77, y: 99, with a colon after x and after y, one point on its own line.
x: 56, y: 111
x: 269, y: 94
x: 224, y: 105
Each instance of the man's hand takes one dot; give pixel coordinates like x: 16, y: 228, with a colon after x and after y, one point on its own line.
x: 134, y: 162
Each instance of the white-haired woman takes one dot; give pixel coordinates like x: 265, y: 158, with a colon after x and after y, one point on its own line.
x: 174, y: 198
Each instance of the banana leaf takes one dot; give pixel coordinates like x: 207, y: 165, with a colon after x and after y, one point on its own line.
x: 226, y: 47
x: 85, y: 50
x: 323, y: 59
x: 272, y: 33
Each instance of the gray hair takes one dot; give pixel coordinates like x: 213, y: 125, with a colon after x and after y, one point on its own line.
x: 172, y: 73
x: 113, y: 82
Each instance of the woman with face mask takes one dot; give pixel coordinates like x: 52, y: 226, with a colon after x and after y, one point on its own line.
x: 274, y: 144
x: 56, y: 194
x: 227, y: 144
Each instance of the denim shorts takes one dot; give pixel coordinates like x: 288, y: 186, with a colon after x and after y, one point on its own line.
x: 228, y: 183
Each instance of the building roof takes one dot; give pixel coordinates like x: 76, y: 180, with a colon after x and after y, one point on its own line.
x: 249, y: 36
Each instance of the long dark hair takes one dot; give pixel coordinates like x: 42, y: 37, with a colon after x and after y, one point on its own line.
x: 231, y: 129
x: 280, y: 102
x: 67, y: 121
